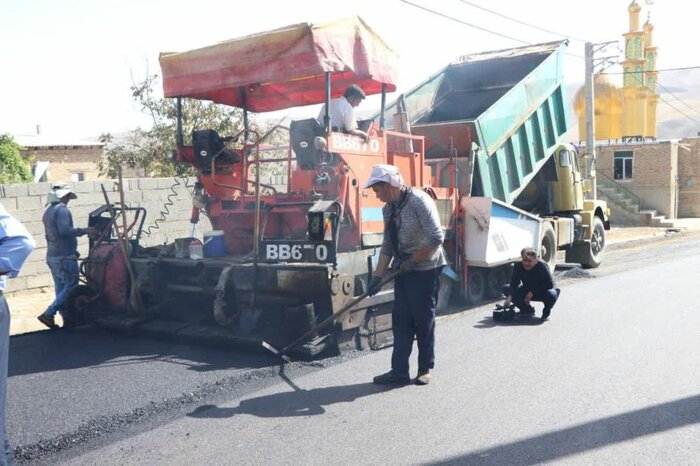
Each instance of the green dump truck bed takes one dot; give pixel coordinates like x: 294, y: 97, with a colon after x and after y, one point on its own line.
x: 511, y: 105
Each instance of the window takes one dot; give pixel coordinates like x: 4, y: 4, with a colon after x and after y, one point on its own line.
x: 79, y: 176
x: 564, y: 158
x: 623, y: 164
x: 42, y: 175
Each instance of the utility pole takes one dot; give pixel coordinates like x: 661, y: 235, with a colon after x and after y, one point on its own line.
x: 590, y: 51
x: 590, y: 121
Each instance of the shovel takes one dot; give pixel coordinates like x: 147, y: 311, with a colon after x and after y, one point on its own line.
x: 337, y: 314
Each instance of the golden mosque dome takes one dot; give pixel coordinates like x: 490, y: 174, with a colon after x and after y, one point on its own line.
x: 634, y: 7
x: 608, y: 97
x: 648, y: 26
x: 607, y: 108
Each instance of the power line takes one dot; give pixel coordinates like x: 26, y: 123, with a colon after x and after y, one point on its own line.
x: 452, y: 18
x: 667, y: 91
x: 522, y: 22
x: 465, y: 23
x: 665, y: 69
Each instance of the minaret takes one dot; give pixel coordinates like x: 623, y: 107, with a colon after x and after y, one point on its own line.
x: 634, y: 90
x: 650, y: 52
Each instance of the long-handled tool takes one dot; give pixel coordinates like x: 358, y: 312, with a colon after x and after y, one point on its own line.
x: 283, y: 352
x: 135, y: 297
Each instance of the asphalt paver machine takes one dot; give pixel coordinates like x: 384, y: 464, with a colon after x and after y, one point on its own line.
x: 292, y: 255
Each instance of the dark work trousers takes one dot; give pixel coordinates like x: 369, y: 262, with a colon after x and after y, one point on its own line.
x: 548, y: 298
x: 415, y: 298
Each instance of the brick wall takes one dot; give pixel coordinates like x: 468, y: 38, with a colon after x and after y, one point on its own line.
x: 689, y: 177
x: 654, y: 173
x: 26, y: 203
x: 64, y: 161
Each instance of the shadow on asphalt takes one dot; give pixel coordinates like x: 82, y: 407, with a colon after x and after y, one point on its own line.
x: 488, y: 322
x: 295, y: 403
x: 589, y: 436
x: 58, y: 350
x: 298, y: 402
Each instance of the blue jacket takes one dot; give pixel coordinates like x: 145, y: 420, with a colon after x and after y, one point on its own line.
x: 15, y: 246
x: 61, y: 237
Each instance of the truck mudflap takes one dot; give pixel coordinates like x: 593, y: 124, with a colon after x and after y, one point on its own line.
x: 220, y: 302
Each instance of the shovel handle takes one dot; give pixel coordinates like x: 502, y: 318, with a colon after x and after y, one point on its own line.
x: 336, y: 314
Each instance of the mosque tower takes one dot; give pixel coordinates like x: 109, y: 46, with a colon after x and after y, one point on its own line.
x: 634, y: 89
x: 651, y: 80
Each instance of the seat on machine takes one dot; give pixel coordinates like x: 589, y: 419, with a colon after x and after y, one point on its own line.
x: 302, y: 134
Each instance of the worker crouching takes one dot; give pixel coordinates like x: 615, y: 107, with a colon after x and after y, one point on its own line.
x: 413, y: 240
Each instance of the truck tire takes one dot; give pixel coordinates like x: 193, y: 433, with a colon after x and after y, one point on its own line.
x: 496, y: 277
x: 548, y: 247
x: 476, y: 286
x: 597, y: 245
x: 77, y: 305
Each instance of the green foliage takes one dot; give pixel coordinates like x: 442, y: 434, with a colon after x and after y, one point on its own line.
x: 152, y: 150
x: 13, y: 168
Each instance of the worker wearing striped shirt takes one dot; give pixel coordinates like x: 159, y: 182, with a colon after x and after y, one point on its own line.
x: 413, y: 239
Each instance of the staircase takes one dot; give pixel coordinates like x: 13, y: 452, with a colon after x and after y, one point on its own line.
x: 626, y: 206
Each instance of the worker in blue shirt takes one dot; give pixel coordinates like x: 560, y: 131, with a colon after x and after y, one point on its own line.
x: 15, y: 246
x: 61, y: 248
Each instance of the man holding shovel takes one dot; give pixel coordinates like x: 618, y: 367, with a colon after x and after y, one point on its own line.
x: 413, y: 239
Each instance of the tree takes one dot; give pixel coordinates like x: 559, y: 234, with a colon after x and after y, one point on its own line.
x: 13, y: 168
x: 152, y: 149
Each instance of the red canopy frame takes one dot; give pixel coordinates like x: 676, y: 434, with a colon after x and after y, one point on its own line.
x: 283, y: 68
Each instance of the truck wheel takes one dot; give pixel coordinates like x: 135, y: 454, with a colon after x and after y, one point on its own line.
x: 495, y: 279
x: 476, y: 285
x: 77, y: 305
x: 595, y: 251
x: 548, y: 247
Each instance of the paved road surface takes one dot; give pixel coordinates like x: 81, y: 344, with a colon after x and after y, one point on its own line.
x: 612, y: 378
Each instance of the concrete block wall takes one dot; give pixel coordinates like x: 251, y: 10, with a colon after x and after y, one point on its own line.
x: 654, y: 173
x: 26, y: 203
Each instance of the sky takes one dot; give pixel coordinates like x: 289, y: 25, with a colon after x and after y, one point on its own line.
x: 67, y: 65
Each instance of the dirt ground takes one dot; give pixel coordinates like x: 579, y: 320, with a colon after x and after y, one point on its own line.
x: 24, y: 308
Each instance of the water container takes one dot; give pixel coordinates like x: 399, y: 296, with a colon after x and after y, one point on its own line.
x: 196, y: 251
x: 214, y: 244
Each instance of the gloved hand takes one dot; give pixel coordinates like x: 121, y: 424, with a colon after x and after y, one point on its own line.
x: 407, y: 266
x: 373, y: 285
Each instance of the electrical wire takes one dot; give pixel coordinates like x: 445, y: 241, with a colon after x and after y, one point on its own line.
x: 169, y: 202
x: 464, y: 22
x: 443, y: 15
x: 568, y: 36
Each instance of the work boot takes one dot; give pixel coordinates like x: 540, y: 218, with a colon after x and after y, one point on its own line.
x: 528, y: 311
x: 391, y: 378
x: 545, y: 313
x: 423, y: 378
x: 48, y: 321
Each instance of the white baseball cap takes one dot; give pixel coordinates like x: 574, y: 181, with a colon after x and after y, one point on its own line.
x: 386, y: 173
x: 58, y: 191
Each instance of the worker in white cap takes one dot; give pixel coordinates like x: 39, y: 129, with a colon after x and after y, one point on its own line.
x: 61, y: 248
x: 412, y: 243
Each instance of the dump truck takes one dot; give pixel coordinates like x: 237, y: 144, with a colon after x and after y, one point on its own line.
x: 288, y: 258
x: 494, y: 125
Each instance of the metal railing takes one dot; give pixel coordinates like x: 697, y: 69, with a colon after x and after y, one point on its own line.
x: 611, y: 182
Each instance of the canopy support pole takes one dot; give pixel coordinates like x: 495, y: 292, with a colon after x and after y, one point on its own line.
x: 179, y: 138
x: 381, y: 115
x: 327, y: 116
